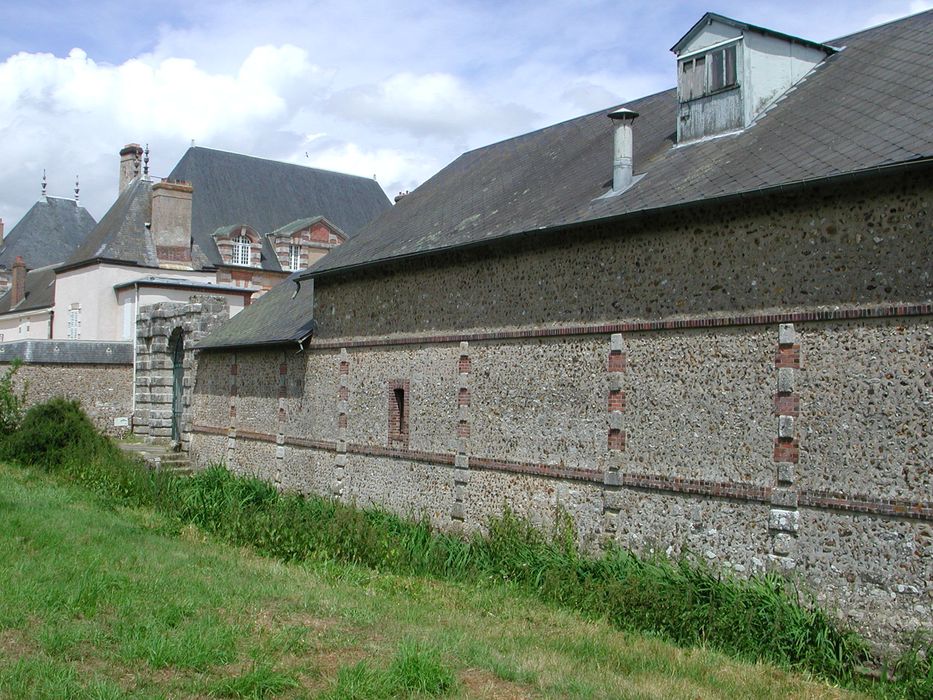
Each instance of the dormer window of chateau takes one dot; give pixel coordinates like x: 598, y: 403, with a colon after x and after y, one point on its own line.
x: 301, y: 243
x: 730, y: 72
x: 238, y: 245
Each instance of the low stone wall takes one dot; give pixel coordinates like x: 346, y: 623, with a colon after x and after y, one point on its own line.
x: 104, y: 390
x: 749, y: 446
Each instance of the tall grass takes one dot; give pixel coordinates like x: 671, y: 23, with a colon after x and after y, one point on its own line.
x: 682, y: 601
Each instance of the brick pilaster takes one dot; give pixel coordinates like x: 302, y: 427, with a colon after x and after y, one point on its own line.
x: 231, y: 433
x: 784, y: 517
x: 462, y: 459
x: 282, y: 417
x: 616, y: 365
x: 343, y: 404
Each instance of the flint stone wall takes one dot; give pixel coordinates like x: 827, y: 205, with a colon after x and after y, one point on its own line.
x: 752, y: 387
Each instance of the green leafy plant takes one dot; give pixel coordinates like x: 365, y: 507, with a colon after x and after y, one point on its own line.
x: 12, y: 403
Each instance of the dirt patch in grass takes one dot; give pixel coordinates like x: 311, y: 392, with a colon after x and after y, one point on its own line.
x: 13, y: 644
x: 484, y: 684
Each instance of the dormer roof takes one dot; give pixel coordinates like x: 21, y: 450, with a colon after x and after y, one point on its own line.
x: 711, y: 17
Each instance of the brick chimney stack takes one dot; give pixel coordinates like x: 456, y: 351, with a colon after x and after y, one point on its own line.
x: 19, y: 282
x: 171, y: 223
x: 1, y: 230
x: 130, y: 164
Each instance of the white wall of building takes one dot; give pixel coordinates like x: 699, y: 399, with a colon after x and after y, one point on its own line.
x: 101, y: 312
x: 29, y: 325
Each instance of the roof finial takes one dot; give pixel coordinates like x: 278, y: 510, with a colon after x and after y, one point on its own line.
x: 146, y: 163
x: 45, y: 182
x: 77, y: 189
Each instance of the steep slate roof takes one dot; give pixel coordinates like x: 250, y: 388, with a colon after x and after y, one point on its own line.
x: 868, y: 106
x: 230, y: 188
x: 40, y: 292
x: 121, y: 233
x: 47, y: 234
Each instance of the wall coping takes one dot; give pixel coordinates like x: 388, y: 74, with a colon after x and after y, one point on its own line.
x: 68, y: 352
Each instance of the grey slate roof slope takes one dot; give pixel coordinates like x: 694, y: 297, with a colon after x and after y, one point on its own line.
x: 275, y: 319
x: 230, y: 188
x: 121, y: 233
x: 868, y: 106
x: 40, y: 292
x: 47, y: 234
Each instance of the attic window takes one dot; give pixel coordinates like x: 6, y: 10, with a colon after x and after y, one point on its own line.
x: 704, y: 74
x: 294, y: 256
x: 241, y: 250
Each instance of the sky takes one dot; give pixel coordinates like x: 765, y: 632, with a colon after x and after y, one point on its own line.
x: 393, y: 89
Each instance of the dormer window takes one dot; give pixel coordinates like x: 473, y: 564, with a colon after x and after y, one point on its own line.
x: 241, y: 250
x: 706, y: 73
x: 294, y: 256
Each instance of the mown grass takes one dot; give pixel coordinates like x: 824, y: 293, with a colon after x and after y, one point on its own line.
x: 683, y: 602
x: 99, y: 600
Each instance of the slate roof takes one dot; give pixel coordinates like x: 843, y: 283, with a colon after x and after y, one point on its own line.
x: 868, y: 106
x: 230, y: 188
x: 47, y: 234
x: 281, y: 319
x: 121, y: 234
x: 40, y: 292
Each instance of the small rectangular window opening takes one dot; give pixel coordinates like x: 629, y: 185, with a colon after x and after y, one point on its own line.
x: 398, y: 413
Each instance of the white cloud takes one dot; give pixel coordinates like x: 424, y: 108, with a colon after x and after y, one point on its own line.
x: 395, y: 170
x: 430, y: 104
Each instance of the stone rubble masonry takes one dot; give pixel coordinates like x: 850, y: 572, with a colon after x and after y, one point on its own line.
x: 105, y: 391
x: 155, y: 326
x: 774, y: 400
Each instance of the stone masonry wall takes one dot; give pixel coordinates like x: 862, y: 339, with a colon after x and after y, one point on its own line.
x: 104, y: 390
x: 754, y: 391
x: 833, y: 248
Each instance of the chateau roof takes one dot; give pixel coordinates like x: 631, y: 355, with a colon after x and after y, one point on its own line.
x: 230, y: 188
x: 40, y: 292
x: 47, y: 234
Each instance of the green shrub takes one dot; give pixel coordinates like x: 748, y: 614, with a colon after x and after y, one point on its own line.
x: 11, y: 403
x: 51, y: 433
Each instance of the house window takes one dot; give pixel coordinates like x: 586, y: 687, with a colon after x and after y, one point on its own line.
x: 241, y: 250
x: 708, y: 73
x: 74, y: 324
x: 294, y: 256
x: 398, y: 413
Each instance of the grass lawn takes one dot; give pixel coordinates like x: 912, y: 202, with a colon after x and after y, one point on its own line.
x: 100, y: 602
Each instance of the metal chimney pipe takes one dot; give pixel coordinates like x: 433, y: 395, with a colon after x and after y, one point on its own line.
x: 623, y: 147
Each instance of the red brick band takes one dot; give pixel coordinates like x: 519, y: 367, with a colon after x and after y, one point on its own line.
x: 638, y: 326
x: 901, y: 508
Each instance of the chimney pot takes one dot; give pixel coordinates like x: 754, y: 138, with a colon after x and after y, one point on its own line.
x: 623, y: 147
x: 18, y: 290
